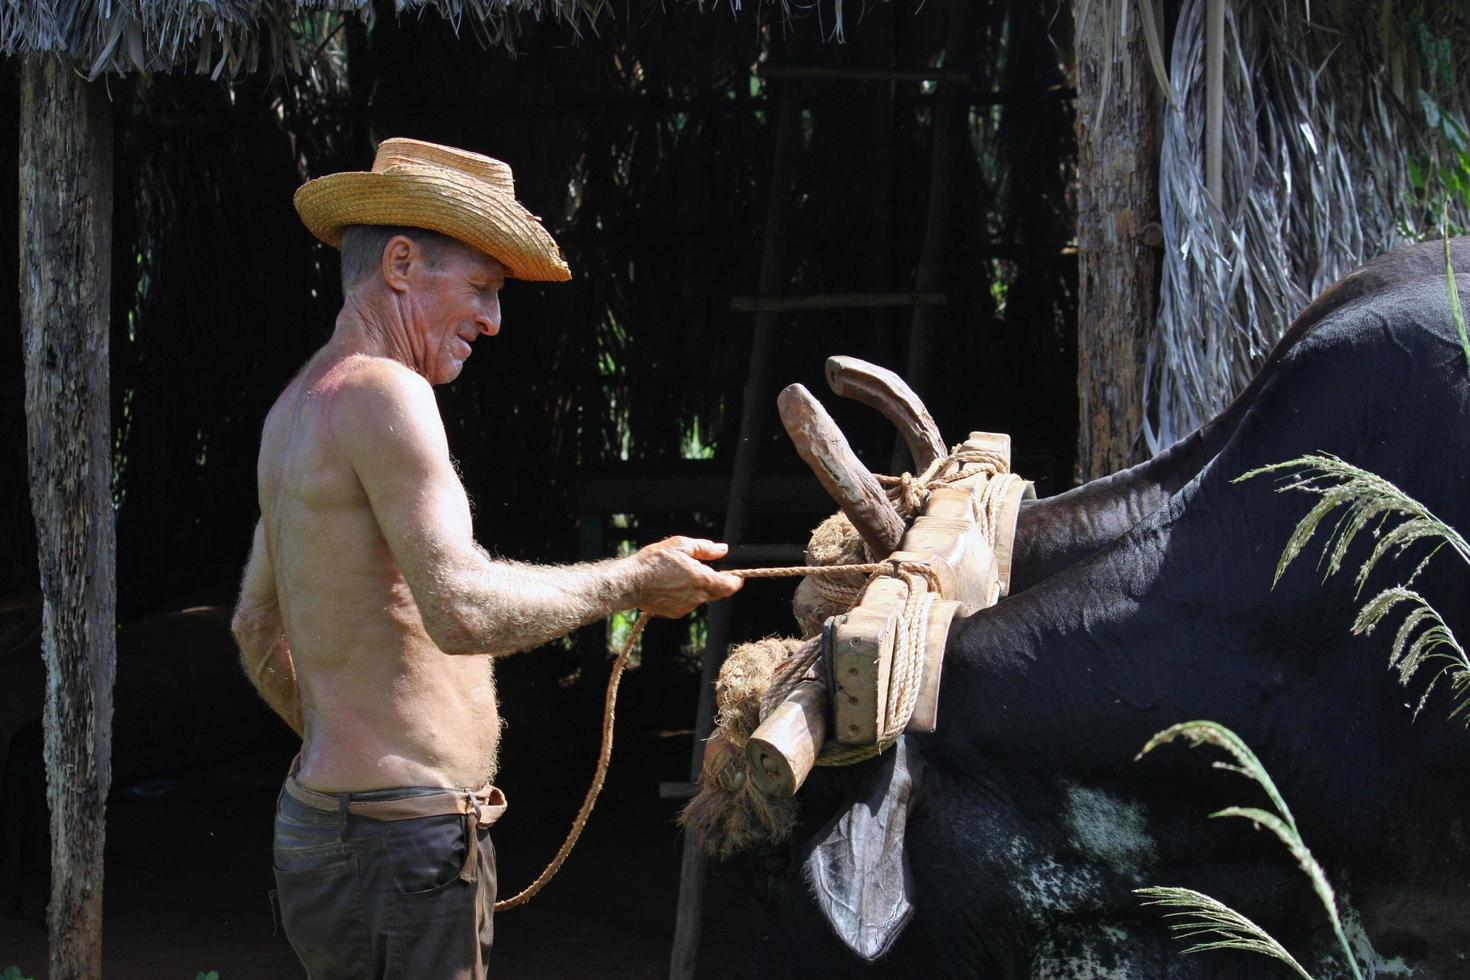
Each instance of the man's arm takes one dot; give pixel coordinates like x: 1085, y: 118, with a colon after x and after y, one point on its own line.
x: 262, y: 637
x: 388, y: 427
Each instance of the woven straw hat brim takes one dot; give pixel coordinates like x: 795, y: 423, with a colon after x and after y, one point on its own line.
x: 447, y: 202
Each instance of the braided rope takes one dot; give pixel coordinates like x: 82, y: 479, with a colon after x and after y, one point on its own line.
x: 604, y: 759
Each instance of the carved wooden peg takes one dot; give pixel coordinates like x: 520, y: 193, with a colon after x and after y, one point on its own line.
x: 783, y: 749
x: 881, y: 389
x: 821, y: 443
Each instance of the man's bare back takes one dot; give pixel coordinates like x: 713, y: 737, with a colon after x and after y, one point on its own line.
x: 384, y: 706
x: 368, y: 616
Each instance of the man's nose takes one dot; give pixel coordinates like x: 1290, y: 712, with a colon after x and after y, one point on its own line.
x: 489, y: 322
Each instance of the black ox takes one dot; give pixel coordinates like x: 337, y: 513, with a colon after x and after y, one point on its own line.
x: 1008, y: 843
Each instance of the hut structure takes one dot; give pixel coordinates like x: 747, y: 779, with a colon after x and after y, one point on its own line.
x: 733, y: 192
x: 1032, y: 224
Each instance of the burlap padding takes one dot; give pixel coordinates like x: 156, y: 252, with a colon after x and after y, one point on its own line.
x: 467, y: 196
x: 730, y: 814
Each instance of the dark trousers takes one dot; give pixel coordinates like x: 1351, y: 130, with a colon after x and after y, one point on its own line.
x: 365, y: 899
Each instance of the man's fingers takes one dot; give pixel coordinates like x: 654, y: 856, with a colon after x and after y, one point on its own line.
x: 729, y: 584
x: 706, y: 550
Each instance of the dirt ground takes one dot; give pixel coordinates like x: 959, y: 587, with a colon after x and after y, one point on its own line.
x: 188, y: 871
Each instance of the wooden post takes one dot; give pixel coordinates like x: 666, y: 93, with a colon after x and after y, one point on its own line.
x: 690, y: 914
x: 65, y: 276
x: 1117, y: 200
x: 882, y: 111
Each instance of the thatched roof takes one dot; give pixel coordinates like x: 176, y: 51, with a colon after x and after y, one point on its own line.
x: 225, y: 38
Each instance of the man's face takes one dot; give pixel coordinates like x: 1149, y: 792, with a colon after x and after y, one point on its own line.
x: 451, y: 302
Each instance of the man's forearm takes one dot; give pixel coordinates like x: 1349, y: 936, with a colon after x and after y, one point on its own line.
x: 266, y: 660
x: 503, y: 607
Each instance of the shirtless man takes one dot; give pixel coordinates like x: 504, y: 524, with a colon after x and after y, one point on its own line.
x: 368, y: 617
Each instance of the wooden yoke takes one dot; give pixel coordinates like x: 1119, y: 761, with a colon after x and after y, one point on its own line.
x: 948, y: 538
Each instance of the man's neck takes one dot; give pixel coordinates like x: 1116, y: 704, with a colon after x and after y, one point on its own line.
x: 373, y: 326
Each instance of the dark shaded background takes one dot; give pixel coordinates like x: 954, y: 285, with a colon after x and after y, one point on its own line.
x: 647, y: 150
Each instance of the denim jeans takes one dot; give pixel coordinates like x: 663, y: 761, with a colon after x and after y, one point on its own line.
x: 365, y: 899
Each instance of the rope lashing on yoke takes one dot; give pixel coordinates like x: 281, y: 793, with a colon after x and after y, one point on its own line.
x: 609, y: 714
x: 908, y: 493
x: 910, y: 639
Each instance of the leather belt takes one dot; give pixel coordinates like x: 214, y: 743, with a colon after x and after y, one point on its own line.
x: 480, y: 808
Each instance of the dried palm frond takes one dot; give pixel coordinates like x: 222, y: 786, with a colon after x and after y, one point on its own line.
x: 1211, y: 917
x: 1316, y: 179
x: 1217, y: 924
x: 225, y: 38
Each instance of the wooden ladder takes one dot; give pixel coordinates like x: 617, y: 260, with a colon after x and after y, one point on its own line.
x: 924, y: 299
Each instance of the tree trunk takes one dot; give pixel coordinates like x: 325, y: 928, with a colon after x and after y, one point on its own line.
x: 65, y: 269
x: 1117, y: 202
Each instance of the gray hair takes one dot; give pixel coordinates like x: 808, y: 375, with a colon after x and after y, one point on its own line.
x: 362, y: 248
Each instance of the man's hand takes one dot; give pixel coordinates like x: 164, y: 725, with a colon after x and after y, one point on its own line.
x: 673, y: 579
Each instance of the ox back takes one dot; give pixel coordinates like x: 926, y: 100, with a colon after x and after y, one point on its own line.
x: 1009, y: 841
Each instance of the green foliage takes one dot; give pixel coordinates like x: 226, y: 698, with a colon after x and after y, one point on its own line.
x: 1367, y: 500
x: 1396, y: 521
x: 1422, y: 45
x: 13, y: 973
x: 211, y: 975
x: 1216, y: 925
x: 1202, y: 917
x: 1422, y: 639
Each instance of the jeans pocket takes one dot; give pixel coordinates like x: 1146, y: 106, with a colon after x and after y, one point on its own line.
x: 426, y: 855
x: 322, y: 911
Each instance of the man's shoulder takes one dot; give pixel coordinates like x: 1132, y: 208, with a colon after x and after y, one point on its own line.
x: 376, y: 398
x: 363, y: 376
x: 375, y: 388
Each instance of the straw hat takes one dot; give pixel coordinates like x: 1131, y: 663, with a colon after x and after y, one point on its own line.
x: 464, y: 195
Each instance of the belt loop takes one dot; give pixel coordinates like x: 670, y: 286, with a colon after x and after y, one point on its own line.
x: 343, y: 800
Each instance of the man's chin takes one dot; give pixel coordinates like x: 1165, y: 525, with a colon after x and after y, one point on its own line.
x: 449, y: 372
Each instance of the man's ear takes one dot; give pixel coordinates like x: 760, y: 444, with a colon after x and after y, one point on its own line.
x: 398, y: 257
x: 857, y: 865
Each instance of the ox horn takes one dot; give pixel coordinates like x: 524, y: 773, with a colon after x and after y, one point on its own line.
x: 881, y: 389
x: 821, y: 443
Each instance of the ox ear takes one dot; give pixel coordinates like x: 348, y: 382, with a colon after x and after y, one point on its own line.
x: 857, y: 865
